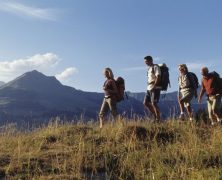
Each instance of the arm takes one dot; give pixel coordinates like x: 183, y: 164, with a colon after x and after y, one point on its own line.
x: 179, y: 95
x: 157, y: 81
x: 202, y: 91
x: 157, y: 74
x: 179, y: 88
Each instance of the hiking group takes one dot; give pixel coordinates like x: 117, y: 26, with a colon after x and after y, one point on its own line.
x: 157, y: 81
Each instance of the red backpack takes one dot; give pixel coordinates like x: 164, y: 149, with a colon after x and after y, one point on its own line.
x: 120, y: 84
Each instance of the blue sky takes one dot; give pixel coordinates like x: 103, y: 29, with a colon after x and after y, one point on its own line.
x: 75, y: 40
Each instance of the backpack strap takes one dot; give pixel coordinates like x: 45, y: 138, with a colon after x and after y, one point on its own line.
x: 153, y: 70
x: 189, y: 79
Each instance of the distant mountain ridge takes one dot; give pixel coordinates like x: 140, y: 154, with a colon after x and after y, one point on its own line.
x: 34, y: 97
x: 2, y: 83
x: 34, y: 81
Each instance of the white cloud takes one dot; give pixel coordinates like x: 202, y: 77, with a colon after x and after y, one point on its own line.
x: 28, y: 11
x: 195, y: 66
x: 157, y: 59
x: 66, y: 74
x: 139, y: 68
x: 40, y: 62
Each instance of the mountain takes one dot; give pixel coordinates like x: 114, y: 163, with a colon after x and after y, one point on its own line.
x: 35, y: 97
x: 2, y: 83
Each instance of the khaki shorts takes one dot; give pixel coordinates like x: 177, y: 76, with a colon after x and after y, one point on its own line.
x: 187, y: 97
x: 152, y: 96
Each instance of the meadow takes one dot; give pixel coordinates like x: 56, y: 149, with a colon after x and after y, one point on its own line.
x: 125, y: 149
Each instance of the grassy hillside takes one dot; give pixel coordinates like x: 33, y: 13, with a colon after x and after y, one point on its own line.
x: 132, y: 150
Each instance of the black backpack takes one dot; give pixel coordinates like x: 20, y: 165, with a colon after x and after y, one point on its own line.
x: 194, y: 83
x: 164, y: 77
x: 217, y: 83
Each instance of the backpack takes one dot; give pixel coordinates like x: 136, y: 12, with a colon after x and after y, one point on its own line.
x: 194, y: 83
x: 164, y: 77
x: 120, y: 84
x: 217, y: 82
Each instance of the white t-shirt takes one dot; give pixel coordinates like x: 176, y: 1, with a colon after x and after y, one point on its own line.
x: 152, y: 74
x: 184, y: 83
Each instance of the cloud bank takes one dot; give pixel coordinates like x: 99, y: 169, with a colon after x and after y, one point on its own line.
x: 28, y: 11
x: 66, y: 74
x: 142, y: 68
x: 139, y: 68
x: 40, y: 62
x: 197, y: 66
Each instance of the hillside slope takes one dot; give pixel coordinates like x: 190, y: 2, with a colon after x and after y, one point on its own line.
x: 123, y: 150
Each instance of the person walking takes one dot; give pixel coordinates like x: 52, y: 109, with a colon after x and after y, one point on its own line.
x: 186, y: 92
x: 152, y: 96
x: 211, y: 86
x: 110, y: 92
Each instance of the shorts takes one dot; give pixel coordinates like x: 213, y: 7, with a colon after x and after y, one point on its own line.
x: 187, y: 96
x: 213, y: 105
x: 152, y: 96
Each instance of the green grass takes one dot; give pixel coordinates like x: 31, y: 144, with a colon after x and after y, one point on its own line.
x: 126, y: 149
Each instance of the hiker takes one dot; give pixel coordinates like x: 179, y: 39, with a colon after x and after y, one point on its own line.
x: 211, y: 86
x: 153, y: 90
x: 109, y: 101
x: 186, y: 91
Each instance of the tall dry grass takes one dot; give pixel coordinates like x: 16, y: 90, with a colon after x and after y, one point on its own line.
x: 126, y: 149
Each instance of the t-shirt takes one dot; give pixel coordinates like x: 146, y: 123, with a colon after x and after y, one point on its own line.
x: 184, y: 83
x: 209, y: 84
x: 152, y: 74
x: 108, y: 86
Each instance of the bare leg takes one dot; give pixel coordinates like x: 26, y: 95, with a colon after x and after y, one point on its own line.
x: 189, y: 112
x: 216, y: 108
x: 150, y: 107
x: 181, y: 105
x: 210, y: 111
x: 101, y: 122
x: 157, y: 111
